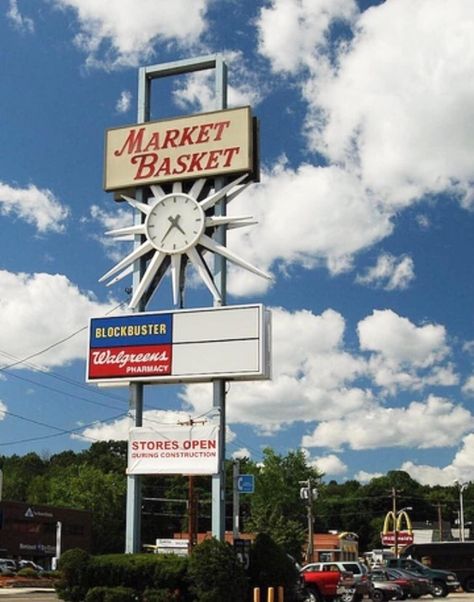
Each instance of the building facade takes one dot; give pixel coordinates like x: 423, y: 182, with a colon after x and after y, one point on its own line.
x: 33, y: 532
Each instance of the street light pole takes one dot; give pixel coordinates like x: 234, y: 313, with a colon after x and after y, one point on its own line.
x: 461, y: 487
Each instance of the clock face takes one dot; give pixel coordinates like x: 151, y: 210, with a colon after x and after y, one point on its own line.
x: 175, y: 223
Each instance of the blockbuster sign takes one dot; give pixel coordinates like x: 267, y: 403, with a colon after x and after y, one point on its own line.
x: 230, y: 342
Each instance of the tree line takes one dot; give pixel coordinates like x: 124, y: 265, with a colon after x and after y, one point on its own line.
x: 94, y: 479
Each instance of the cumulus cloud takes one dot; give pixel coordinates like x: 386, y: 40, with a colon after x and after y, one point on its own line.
x: 19, y: 21
x: 365, y: 477
x: 117, y: 430
x: 396, y: 103
x: 39, y: 310
x: 444, y: 424
x: 461, y: 468
x: 398, y: 339
x: 468, y: 387
x: 307, y: 385
x: 126, y: 35
x: 196, y: 92
x: 241, y: 453
x: 330, y: 465
x: 300, y: 26
x: 329, y: 219
x: 124, y: 101
x: 390, y: 273
x: 35, y: 206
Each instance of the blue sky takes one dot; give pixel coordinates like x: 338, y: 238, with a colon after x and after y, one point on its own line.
x: 365, y: 210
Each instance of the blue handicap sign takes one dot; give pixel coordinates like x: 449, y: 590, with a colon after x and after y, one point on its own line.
x: 245, y: 483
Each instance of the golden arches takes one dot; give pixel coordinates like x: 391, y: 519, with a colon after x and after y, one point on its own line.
x: 396, y: 521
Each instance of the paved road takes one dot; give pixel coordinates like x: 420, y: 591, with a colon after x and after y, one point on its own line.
x: 24, y: 595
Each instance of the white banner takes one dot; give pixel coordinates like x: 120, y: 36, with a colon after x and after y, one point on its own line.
x: 188, y: 450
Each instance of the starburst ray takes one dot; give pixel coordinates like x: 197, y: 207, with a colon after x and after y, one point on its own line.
x: 121, y: 276
x: 147, y: 278
x: 210, y: 201
x: 143, y: 207
x: 204, y: 272
x: 176, y: 262
x: 177, y: 187
x: 235, y: 221
x: 157, y: 191
x: 197, y: 187
x: 127, y: 230
x: 130, y: 258
x: 215, y: 247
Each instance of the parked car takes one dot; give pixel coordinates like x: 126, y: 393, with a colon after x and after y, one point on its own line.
x: 421, y: 585
x: 361, y: 580
x: 326, y: 583
x: 383, y: 590
x: 443, y: 581
x: 403, y: 582
x: 23, y: 564
x: 8, y: 565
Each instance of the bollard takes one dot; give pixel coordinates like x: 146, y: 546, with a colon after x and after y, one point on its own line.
x: 256, y: 594
x: 281, y: 594
x: 271, y: 594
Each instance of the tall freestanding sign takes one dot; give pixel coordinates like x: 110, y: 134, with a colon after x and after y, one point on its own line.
x: 178, y: 175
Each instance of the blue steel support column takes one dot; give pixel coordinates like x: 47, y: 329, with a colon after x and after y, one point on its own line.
x: 133, y: 516
x: 134, y: 485
x: 220, y: 278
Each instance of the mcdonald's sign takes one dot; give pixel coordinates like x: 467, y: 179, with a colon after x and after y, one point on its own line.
x: 393, y: 525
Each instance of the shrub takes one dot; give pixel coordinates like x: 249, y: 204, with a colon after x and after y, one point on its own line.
x: 160, y: 595
x: 28, y: 572
x: 216, y: 574
x: 111, y: 594
x: 73, y: 584
x: 270, y: 566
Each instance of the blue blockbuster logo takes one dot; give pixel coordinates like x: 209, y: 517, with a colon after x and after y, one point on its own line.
x: 148, y: 329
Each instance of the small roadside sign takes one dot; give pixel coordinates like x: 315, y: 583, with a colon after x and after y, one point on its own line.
x: 245, y: 483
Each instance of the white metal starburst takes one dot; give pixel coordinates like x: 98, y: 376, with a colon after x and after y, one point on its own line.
x: 177, y: 228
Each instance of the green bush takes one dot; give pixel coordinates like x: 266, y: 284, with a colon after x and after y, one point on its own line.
x: 160, y: 595
x: 28, y: 572
x: 111, y: 594
x: 73, y: 584
x: 216, y: 574
x: 270, y: 566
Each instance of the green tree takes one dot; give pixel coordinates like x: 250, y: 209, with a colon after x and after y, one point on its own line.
x: 88, y: 488
x: 276, y: 506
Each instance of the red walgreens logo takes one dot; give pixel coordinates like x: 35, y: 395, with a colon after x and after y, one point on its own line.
x: 112, y: 362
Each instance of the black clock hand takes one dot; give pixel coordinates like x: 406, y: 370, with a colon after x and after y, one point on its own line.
x: 174, y: 224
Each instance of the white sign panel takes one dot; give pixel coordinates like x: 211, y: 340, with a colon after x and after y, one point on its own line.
x: 231, y: 342
x: 174, y: 450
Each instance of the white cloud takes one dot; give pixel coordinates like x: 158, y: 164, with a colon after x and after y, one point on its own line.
x: 396, y: 338
x: 126, y: 35
x: 124, y: 101
x: 3, y: 409
x: 329, y: 465
x: 461, y: 468
x: 436, y: 422
x: 196, y: 92
x: 468, y: 387
x: 19, y: 21
x: 37, y: 207
x: 241, y: 453
x: 118, y: 429
x: 309, y: 385
x: 292, y: 31
x: 390, y: 273
x: 365, y: 477
x: 329, y: 219
x: 39, y: 310
x: 397, y: 104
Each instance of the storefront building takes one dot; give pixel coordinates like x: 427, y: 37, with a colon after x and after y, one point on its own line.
x: 33, y: 532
